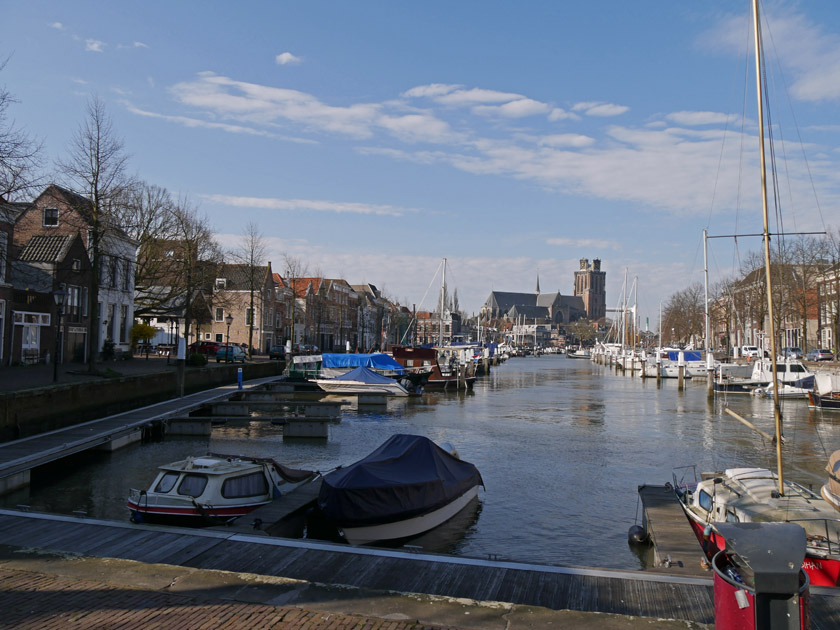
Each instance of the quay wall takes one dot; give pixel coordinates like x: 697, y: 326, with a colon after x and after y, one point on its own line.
x: 32, y: 411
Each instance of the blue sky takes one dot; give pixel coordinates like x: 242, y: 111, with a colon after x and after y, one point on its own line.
x: 372, y: 139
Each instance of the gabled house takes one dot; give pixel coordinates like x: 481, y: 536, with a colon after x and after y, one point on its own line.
x: 284, y: 309
x: 58, y: 211
x: 247, y: 294
x: 45, y: 264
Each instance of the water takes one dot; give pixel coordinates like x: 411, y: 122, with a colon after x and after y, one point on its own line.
x: 561, y: 444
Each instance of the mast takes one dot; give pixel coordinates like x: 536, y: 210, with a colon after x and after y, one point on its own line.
x: 774, y: 380
x: 442, y: 298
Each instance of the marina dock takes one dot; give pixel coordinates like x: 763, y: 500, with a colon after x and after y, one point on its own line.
x: 675, y: 546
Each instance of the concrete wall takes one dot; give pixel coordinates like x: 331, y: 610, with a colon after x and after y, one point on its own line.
x: 32, y: 411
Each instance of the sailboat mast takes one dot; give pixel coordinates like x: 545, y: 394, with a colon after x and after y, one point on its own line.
x: 442, y: 298
x: 776, y: 409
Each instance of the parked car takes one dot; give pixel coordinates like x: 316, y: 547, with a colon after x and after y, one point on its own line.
x: 277, y: 352
x: 791, y: 352
x: 230, y: 353
x: 750, y: 351
x: 208, y: 348
x: 816, y: 354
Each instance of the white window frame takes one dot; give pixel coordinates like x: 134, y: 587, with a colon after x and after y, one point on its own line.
x: 44, y: 218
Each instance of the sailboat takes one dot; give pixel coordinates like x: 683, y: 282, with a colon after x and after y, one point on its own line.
x: 758, y: 494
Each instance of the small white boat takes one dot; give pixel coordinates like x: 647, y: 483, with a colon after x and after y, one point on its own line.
x: 212, y: 489
x: 361, y: 381
x: 407, y: 486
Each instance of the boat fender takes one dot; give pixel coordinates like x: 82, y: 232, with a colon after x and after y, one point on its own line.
x: 637, y: 535
x: 136, y: 517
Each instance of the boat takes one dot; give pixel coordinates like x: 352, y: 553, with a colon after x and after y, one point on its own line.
x: 578, y: 353
x: 744, y: 495
x: 788, y: 372
x: 361, y: 380
x: 757, y: 494
x: 336, y: 364
x: 825, y: 394
x: 799, y: 388
x: 213, y: 489
x: 442, y: 375
x: 409, y: 485
x: 831, y: 489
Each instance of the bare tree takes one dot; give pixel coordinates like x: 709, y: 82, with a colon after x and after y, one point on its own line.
x: 251, y: 254
x: 20, y: 154
x: 684, y: 313
x: 96, y: 168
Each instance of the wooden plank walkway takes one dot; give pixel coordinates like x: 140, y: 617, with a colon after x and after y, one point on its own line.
x: 271, y: 516
x: 27, y: 453
x: 634, y: 593
x: 670, y: 532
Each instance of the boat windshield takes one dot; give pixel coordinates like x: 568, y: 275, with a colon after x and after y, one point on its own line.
x: 167, y: 482
x: 192, y: 485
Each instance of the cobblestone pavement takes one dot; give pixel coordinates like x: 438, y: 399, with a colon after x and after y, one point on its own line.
x: 38, y: 601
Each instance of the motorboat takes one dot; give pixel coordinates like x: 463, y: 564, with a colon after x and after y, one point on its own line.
x: 744, y: 495
x: 578, y: 353
x: 831, y: 489
x: 797, y: 389
x: 826, y: 393
x: 361, y: 380
x: 407, y: 486
x: 443, y: 368
x: 212, y: 489
x: 788, y: 372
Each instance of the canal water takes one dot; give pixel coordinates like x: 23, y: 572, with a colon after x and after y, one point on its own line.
x: 562, y: 446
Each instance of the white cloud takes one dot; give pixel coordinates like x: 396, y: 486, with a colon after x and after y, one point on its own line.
x: 514, y: 109
x: 57, y: 25
x: 597, y: 108
x: 306, y: 205
x: 701, y: 118
x: 588, y: 243
x: 430, y: 91
x: 94, y: 45
x: 287, y: 59
x: 566, y: 140
x: 133, y: 45
x: 561, y: 114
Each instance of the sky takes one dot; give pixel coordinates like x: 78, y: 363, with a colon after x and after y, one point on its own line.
x: 372, y: 139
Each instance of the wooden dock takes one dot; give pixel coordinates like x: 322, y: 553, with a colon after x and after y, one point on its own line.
x: 633, y: 593
x: 20, y: 456
x: 675, y: 546
x: 283, y: 517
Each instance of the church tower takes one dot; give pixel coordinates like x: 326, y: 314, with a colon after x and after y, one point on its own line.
x: 590, y: 285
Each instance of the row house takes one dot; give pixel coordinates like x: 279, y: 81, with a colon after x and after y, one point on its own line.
x: 741, y: 317
x: 828, y: 316
x: 325, y: 314
x: 284, y: 310
x: 431, y: 328
x: 60, y: 212
x: 243, y: 306
x: 374, y: 315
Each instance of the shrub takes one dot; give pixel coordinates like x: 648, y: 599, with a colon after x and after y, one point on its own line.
x: 197, y: 359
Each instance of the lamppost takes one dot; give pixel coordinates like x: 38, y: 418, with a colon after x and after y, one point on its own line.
x: 228, y: 353
x: 59, y: 295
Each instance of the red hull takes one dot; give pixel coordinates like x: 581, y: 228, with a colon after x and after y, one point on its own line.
x: 166, y: 513
x: 821, y: 571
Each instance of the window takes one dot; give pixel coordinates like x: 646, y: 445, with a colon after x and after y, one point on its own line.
x: 251, y: 485
x: 50, y: 217
x: 127, y: 276
x: 124, y: 323
x: 220, y: 338
x: 192, y: 485
x: 167, y: 482
x: 115, y: 272
x: 84, y: 304
x: 221, y: 283
x: 249, y: 316
x: 72, y: 306
x: 706, y: 501
x: 207, y: 336
x: 220, y: 314
x: 77, y: 264
x: 103, y: 270
x: 3, y: 249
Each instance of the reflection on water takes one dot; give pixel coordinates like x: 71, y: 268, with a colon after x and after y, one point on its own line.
x: 561, y: 444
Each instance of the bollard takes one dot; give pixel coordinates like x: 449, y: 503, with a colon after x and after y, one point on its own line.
x: 239, y: 378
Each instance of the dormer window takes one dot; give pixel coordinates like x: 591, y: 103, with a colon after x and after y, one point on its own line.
x: 221, y: 283
x: 50, y: 217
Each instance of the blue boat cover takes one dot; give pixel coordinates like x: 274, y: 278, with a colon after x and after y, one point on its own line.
x: 375, y: 361
x: 364, y: 375
x: 408, y: 476
x: 690, y: 355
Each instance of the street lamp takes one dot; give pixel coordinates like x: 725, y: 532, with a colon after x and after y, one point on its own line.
x: 228, y: 353
x: 60, y: 295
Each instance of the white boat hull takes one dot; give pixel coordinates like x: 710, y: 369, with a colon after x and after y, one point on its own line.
x: 409, y: 527
x: 333, y: 386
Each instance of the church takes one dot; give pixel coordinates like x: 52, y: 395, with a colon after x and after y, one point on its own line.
x: 589, y: 300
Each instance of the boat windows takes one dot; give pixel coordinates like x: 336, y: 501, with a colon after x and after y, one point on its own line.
x: 167, y: 482
x: 797, y: 368
x: 251, y: 485
x: 192, y: 485
x: 705, y: 500
x: 781, y: 367
x: 731, y: 517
